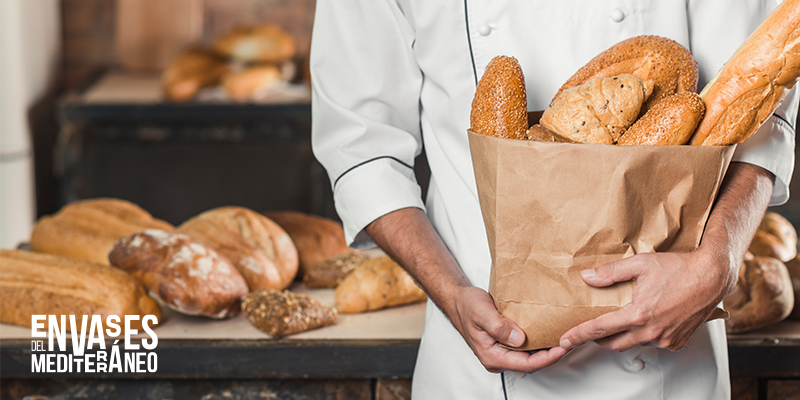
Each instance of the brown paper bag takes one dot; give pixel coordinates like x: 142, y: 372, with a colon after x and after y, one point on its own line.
x: 554, y: 209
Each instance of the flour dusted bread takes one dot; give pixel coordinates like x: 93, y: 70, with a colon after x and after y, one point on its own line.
x: 88, y: 229
x: 188, y: 276
x: 754, y: 81
x: 257, y: 246
x: 598, y: 111
x: 376, y: 284
x: 281, y: 313
x: 43, y: 284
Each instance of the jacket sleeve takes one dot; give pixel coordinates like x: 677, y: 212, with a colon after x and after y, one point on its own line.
x: 365, y: 109
x: 772, y: 146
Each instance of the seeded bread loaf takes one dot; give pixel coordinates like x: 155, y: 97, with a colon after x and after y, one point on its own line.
x: 281, y: 313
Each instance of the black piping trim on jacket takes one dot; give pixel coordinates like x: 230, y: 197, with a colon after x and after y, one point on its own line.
x: 782, y: 118
x: 368, y: 161
x: 503, y: 381
x: 469, y: 41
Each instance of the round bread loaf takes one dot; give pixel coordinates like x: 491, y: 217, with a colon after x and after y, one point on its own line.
x: 191, y: 71
x: 775, y: 237
x: 88, y: 229
x: 263, y: 43
x: 664, y: 65
x: 500, y: 106
x: 763, y: 295
x: 188, y: 276
x: 257, y: 246
x: 251, y: 83
x: 671, y: 121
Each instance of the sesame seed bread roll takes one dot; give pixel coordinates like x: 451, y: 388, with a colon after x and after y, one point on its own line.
x: 500, y: 106
x: 670, y: 122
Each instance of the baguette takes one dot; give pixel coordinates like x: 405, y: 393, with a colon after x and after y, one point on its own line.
x: 754, y: 82
x: 43, y: 284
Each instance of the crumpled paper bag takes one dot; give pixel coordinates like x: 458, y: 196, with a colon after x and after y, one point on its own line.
x: 554, y: 209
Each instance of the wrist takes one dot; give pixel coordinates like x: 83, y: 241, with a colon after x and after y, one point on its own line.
x: 719, y: 271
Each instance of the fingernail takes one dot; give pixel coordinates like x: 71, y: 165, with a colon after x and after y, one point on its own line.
x: 519, y: 374
x: 565, y: 343
x: 587, y: 273
x: 516, y: 338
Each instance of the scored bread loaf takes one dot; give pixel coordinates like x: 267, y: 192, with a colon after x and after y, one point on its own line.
x: 188, y: 276
x: 281, y: 313
x: 42, y: 284
x: 88, y: 229
x: 257, y: 247
x: 324, y: 255
x: 754, y: 81
x: 376, y: 284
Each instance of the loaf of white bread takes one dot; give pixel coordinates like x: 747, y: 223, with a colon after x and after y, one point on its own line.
x: 87, y: 229
x: 42, y: 284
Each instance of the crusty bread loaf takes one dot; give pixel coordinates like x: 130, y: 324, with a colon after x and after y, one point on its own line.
x: 88, y: 229
x: 263, y: 43
x: 598, y: 111
x: 281, y: 313
x: 671, y: 121
x: 793, y: 266
x: 664, y: 65
x: 754, y: 81
x: 191, y: 71
x: 188, y: 276
x: 43, y: 284
x: 257, y: 247
x: 775, y: 237
x: 317, y: 239
x: 763, y: 295
x: 500, y: 106
x: 331, y: 272
x: 250, y: 83
x: 376, y: 284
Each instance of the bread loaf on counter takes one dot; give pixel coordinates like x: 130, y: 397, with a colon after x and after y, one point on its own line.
x: 192, y: 70
x: 262, y: 252
x: 87, y: 229
x: 793, y: 266
x: 281, y: 313
x: 43, y: 284
x: 377, y: 284
x: 763, y: 295
x: 321, y: 247
x: 188, y: 276
x: 262, y: 43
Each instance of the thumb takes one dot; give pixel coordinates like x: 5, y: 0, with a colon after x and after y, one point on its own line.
x: 503, y: 330
x: 613, y: 272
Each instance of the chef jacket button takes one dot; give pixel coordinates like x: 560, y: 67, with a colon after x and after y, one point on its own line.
x: 637, y: 364
x: 485, y: 30
x: 617, y: 15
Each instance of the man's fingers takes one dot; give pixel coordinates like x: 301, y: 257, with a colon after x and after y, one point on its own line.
x: 501, y: 329
x: 600, y: 327
x: 613, y: 272
x: 500, y: 359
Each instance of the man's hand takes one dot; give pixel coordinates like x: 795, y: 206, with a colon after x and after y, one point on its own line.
x: 484, y: 329
x: 673, y: 295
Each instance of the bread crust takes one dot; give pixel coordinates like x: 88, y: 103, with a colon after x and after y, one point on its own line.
x: 754, y: 81
x: 539, y: 133
x: 281, y: 313
x: 257, y: 247
x: 191, y: 71
x: 261, y: 43
x: 376, y: 284
x: 250, y: 82
x: 763, y: 295
x: 42, y: 284
x: 87, y: 229
x: 671, y: 121
x: 188, y: 276
x: 500, y: 106
x: 664, y: 65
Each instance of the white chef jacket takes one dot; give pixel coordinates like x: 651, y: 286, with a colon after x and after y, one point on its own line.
x: 391, y: 75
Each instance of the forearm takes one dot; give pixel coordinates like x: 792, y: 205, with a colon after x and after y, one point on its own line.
x: 408, y: 237
x: 733, y: 221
